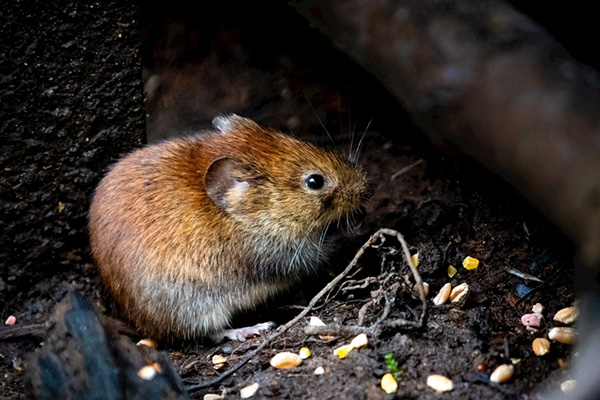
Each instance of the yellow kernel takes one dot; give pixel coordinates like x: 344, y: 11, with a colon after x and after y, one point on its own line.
x: 343, y: 351
x: 451, y: 271
x: 389, y: 384
x: 415, y: 259
x: 470, y: 263
x: 304, y: 353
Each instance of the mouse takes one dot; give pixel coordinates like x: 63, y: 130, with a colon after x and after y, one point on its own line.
x: 188, y: 232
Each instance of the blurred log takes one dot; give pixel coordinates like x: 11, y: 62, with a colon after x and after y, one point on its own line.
x: 488, y: 79
x: 83, y: 359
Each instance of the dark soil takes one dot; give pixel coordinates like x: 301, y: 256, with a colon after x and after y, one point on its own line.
x: 71, y: 100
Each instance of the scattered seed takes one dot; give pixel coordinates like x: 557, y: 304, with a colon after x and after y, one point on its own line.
x: 425, y: 289
x: 567, y: 315
x: 389, y: 384
x: 470, y: 263
x: 218, y: 361
x: 360, y: 341
x: 177, y: 355
x: 149, y: 371
x: 147, y: 342
x: 11, y: 320
x: 319, y: 371
x: 541, y: 346
x: 537, y: 308
x: 440, y: 383
x: 451, y: 271
x: 442, y: 296
x: 534, y: 320
x: 563, y: 335
x: 502, y: 374
x: 212, y: 396
x: 458, y: 292
x: 568, y: 385
x: 61, y: 206
x: 249, y: 391
x: 304, y: 353
x: 343, y: 351
x: 415, y: 259
x: 316, y: 321
x: 286, y: 360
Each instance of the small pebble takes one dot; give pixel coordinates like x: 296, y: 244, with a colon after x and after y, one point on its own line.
x: 11, y: 320
x: 537, y: 308
x: 319, y: 371
x: 534, y: 320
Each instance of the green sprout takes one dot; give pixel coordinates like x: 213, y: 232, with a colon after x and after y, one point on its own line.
x: 392, y: 366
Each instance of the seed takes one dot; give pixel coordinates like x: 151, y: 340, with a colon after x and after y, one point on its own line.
x: 541, y: 346
x: 537, y: 308
x: 443, y: 295
x: 218, y: 361
x: 440, y: 383
x: 212, y: 396
x: 149, y: 371
x: 415, y: 259
x: 249, y: 391
x: 286, y: 360
x: 389, y: 384
x: 147, y: 342
x: 10, y: 320
x: 343, y: 351
x: 319, y: 371
x: 451, y: 271
x: 316, y: 321
x: 177, y: 355
x: 470, y: 263
x: 563, y: 335
x: 359, y: 341
x: 568, y: 385
x: 502, y: 374
x: 425, y: 289
x: 458, y: 292
x: 304, y: 353
x: 567, y: 315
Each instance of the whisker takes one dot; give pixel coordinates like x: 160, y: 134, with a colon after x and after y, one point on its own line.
x: 319, y: 118
x: 357, y: 152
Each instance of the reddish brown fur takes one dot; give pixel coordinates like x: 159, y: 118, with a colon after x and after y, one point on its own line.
x: 179, y: 265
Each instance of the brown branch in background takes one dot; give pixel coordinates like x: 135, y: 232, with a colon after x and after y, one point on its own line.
x: 378, y: 236
x: 485, y: 77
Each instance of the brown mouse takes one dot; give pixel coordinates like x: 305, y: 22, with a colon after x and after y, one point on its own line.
x: 188, y: 232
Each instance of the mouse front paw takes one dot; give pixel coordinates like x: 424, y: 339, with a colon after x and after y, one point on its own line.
x: 241, y: 334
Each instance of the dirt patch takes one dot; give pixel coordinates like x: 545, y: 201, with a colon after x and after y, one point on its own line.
x: 72, y: 104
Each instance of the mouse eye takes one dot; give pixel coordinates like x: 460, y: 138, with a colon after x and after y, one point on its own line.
x: 314, y: 181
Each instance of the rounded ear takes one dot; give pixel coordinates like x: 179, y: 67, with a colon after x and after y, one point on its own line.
x: 222, y: 175
x: 227, y: 123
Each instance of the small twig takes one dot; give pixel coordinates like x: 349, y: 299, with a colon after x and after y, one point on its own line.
x: 16, y: 331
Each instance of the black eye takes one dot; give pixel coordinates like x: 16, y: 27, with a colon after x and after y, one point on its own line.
x: 314, y: 181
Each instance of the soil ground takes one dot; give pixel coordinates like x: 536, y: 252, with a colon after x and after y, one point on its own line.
x: 71, y: 103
